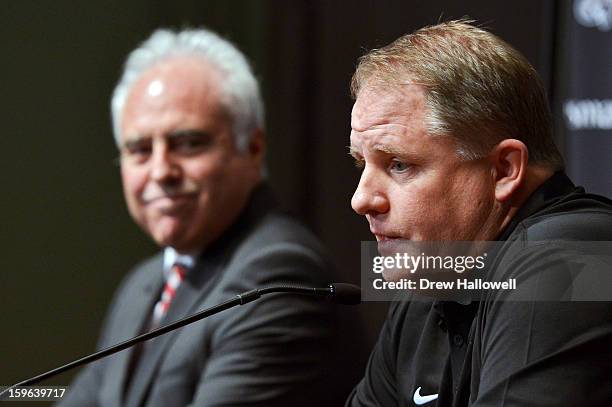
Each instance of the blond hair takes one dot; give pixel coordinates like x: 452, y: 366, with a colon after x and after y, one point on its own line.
x: 479, y: 90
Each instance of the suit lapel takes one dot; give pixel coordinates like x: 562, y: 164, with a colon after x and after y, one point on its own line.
x: 131, y: 323
x: 197, y: 284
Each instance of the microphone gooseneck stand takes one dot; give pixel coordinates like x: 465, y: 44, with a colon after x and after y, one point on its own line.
x: 341, y: 293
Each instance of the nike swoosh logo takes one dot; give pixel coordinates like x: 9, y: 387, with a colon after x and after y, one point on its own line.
x: 420, y: 400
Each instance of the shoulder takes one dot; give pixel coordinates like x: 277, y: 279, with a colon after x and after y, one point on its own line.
x: 277, y: 230
x: 578, y: 216
x: 142, y: 271
x: 560, y: 252
x: 278, y: 248
x: 144, y: 274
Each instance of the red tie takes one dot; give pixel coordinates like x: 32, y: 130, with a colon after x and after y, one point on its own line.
x: 177, y: 273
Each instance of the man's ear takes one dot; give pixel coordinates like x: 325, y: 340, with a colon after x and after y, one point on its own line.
x: 257, y: 146
x: 510, y: 158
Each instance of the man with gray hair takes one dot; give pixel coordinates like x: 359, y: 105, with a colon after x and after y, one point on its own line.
x: 188, y: 121
x: 453, y: 134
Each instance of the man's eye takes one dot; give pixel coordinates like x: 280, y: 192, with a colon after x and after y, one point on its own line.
x: 142, y: 150
x: 399, y: 166
x: 191, y: 143
x: 137, y: 150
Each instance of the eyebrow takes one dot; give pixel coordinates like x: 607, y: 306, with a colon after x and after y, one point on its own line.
x: 384, y: 148
x: 188, y: 133
x: 135, y: 137
x: 180, y: 133
x: 389, y: 149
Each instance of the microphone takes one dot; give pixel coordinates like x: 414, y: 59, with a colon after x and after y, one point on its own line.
x: 340, y: 293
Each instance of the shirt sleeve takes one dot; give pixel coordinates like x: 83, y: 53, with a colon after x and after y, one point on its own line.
x: 546, y: 351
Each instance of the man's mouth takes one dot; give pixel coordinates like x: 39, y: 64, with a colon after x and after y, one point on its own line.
x: 170, y: 198
x: 388, y: 243
x: 171, y: 204
x: 384, y: 238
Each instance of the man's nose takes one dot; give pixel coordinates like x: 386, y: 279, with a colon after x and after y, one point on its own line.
x: 163, y: 166
x: 369, y: 197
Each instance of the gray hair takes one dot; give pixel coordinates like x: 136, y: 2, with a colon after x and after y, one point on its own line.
x: 479, y: 90
x: 241, y: 97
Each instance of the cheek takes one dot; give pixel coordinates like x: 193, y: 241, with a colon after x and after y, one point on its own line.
x: 410, y: 206
x: 212, y: 185
x: 473, y: 203
x: 132, y: 178
x: 203, y: 172
x: 478, y: 190
x: 425, y: 208
x: 133, y: 184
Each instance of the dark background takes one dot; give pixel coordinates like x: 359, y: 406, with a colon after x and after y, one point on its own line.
x: 67, y: 239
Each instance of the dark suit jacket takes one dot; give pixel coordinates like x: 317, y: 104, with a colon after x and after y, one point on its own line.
x: 278, y: 351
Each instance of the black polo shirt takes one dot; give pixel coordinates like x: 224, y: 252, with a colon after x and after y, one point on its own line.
x: 492, y: 352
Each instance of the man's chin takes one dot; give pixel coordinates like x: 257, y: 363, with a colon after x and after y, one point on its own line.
x: 168, y: 242
x: 389, y: 247
x: 169, y: 236
x: 396, y: 274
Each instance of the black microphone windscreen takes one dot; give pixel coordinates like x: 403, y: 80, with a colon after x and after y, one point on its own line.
x: 347, y: 294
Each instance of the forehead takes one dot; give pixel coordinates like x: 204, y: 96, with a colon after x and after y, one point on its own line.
x: 402, y: 103
x: 186, y: 83
x: 381, y: 113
